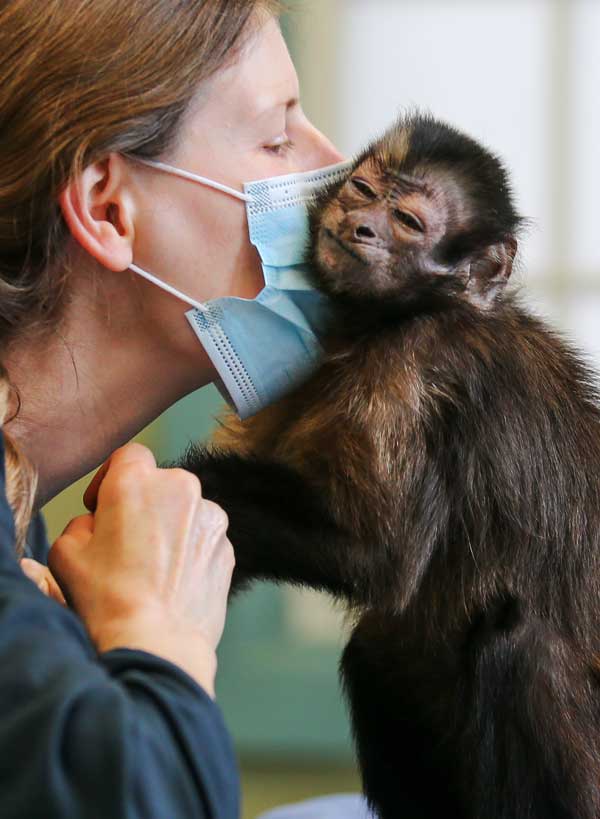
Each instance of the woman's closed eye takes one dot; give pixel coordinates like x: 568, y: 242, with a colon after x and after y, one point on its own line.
x: 280, y: 146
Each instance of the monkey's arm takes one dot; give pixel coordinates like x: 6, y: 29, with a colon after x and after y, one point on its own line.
x: 279, y: 526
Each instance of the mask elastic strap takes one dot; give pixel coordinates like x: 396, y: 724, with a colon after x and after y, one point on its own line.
x: 192, y: 177
x: 173, y: 290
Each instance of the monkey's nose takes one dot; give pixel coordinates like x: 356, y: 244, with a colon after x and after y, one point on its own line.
x: 365, y: 232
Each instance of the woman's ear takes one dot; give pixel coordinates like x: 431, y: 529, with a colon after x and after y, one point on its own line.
x: 98, y: 209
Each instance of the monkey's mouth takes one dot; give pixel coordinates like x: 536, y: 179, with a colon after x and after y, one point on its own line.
x: 329, y: 234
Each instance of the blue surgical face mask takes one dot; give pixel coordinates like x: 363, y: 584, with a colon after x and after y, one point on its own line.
x: 264, y: 347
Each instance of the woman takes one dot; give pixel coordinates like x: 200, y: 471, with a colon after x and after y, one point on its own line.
x: 108, y: 703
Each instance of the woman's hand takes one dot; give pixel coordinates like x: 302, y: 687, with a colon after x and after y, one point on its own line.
x: 151, y: 568
x: 43, y: 579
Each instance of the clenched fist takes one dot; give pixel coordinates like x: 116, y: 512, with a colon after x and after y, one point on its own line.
x: 150, y: 566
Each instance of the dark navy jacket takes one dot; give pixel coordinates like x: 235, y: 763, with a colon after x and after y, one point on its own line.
x: 122, y: 735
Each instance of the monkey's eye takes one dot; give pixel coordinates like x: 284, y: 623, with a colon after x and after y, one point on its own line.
x: 409, y: 221
x: 362, y: 187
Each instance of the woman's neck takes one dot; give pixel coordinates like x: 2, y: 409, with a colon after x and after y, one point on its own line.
x: 94, y: 383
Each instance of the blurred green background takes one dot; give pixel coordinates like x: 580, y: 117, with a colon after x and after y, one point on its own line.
x: 522, y: 75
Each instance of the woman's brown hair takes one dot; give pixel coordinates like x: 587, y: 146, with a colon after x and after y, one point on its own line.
x: 82, y: 79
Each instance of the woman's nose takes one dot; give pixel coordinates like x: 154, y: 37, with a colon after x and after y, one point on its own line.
x: 324, y: 151
x: 330, y: 151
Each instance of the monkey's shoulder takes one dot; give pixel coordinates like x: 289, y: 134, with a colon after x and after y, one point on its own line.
x: 401, y: 374
x: 460, y: 354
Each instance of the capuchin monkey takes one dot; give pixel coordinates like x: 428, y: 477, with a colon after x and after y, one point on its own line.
x: 440, y: 473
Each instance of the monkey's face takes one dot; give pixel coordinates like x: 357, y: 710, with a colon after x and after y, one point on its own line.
x: 425, y: 215
x: 378, y: 230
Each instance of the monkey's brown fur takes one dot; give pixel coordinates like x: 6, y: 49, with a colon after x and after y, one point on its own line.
x: 354, y: 446
x: 441, y: 473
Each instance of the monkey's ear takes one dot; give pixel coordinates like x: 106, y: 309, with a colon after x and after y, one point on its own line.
x: 489, y: 272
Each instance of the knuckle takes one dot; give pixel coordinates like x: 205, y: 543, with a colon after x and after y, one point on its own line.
x: 77, y: 524
x: 132, y: 450
x: 131, y: 456
x: 185, y: 483
x: 123, y: 478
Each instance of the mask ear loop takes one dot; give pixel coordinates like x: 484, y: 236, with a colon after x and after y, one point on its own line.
x: 192, y: 177
x: 169, y: 289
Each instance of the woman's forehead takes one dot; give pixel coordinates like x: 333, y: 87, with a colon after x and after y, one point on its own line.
x: 262, y: 79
